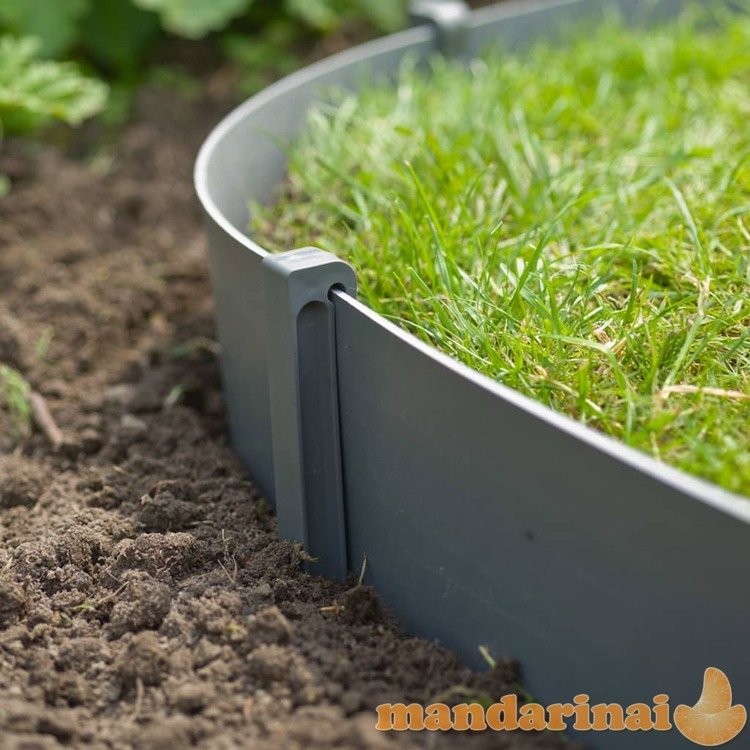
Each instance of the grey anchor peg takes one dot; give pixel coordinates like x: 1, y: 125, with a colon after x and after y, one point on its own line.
x: 304, y: 401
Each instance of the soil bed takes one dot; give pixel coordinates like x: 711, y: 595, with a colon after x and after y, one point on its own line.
x: 145, y: 600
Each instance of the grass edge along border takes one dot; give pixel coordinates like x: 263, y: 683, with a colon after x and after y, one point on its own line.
x: 485, y: 517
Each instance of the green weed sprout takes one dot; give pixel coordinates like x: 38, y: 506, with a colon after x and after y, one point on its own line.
x: 14, y: 390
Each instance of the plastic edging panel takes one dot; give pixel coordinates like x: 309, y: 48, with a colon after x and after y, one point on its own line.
x: 485, y: 521
x: 485, y: 518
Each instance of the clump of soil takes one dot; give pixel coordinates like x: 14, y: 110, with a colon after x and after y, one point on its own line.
x: 145, y: 601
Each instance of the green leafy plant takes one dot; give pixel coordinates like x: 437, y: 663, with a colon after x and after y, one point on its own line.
x: 113, y: 34
x: 572, y: 222
x: 116, y: 34
x: 54, y: 24
x: 195, y: 18
x: 264, y: 38
x: 327, y: 15
x: 34, y: 91
x: 260, y: 57
x: 271, y: 38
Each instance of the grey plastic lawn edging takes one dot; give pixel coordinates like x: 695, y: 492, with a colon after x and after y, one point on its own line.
x: 484, y: 517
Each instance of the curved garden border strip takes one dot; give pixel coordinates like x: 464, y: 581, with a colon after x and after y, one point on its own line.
x: 485, y: 517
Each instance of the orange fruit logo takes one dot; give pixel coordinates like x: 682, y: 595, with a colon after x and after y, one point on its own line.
x: 713, y: 720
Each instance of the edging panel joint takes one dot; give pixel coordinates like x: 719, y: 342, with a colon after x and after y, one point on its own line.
x: 449, y: 18
x: 303, y: 392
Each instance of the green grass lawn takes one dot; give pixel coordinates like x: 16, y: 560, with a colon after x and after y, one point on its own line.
x: 573, y: 222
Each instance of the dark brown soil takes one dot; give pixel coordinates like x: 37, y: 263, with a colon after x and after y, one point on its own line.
x: 145, y: 601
